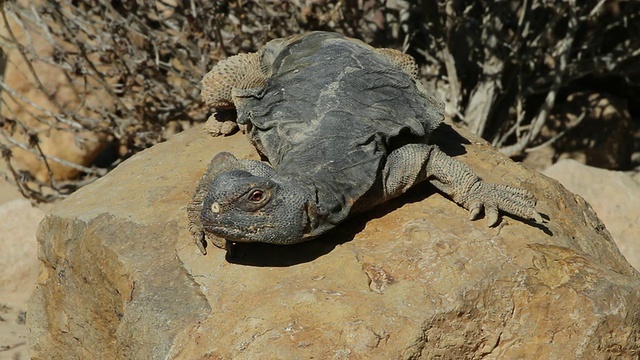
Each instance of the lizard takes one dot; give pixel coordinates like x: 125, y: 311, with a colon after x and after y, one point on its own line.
x: 344, y: 127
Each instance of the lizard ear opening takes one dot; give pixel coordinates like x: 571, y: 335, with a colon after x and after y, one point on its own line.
x: 312, y: 219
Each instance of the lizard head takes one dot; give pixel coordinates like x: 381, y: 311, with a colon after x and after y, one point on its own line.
x: 243, y: 207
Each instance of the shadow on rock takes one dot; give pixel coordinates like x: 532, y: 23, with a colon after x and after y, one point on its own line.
x: 449, y: 140
x: 262, y: 254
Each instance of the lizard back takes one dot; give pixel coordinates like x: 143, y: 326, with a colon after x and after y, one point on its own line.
x: 329, y: 114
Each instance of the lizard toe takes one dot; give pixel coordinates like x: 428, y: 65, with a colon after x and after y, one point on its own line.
x: 228, y: 127
x: 201, y: 243
x: 536, y: 216
x: 217, y: 127
x: 492, y: 216
x: 474, y: 210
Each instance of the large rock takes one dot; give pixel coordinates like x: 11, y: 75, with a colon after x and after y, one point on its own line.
x: 614, y: 195
x: 121, y: 278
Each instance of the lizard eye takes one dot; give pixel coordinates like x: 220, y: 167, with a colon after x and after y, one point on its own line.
x: 256, y: 195
x: 255, y: 199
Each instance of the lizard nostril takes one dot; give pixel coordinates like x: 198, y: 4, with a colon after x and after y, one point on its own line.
x: 215, y: 207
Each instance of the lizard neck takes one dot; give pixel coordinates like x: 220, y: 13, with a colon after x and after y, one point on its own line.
x: 325, y: 208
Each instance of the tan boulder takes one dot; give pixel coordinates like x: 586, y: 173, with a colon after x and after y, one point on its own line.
x: 121, y: 278
x: 615, y: 197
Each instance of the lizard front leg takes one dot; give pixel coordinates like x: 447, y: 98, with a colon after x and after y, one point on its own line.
x: 219, y: 87
x: 414, y: 163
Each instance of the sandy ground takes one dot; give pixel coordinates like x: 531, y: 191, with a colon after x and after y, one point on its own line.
x: 18, y: 220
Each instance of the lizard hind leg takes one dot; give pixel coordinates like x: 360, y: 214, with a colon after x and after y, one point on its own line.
x: 403, y: 61
x: 414, y: 163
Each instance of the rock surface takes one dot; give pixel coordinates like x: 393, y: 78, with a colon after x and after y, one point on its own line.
x: 615, y: 197
x: 18, y: 244
x: 121, y: 278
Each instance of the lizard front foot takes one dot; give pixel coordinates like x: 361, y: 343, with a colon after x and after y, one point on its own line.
x: 216, y: 127
x: 202, y: 239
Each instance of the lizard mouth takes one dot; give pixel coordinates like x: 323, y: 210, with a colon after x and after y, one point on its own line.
x: 231, y: 234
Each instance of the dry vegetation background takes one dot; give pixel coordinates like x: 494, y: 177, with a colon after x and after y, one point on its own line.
x: 87, y: 84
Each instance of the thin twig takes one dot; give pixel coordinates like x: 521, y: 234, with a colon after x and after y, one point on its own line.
x: 559, y: 72
x: 22, y: 146
x: 596, y: 8
x: 559, y: 135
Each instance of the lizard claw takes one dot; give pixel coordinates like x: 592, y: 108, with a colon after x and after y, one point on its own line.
x: 491, y: 211
x: 536, y: 217
x: 245, y: 128
x: 492, y: 216
x: 202, y: 244
x: 474, y: 211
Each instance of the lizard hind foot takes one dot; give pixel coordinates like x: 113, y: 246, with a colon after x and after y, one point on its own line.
x: 493, y: 198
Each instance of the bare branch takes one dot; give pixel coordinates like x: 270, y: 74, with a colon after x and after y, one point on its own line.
x: 39, y: 153
x: 559, y: 73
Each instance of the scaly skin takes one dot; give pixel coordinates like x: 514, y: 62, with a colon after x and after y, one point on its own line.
x: 343, y: 125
